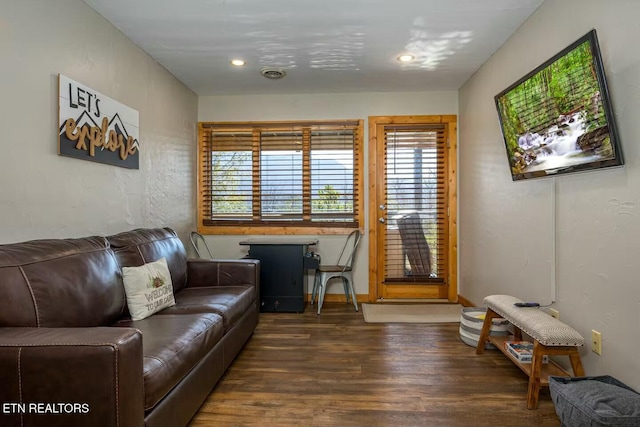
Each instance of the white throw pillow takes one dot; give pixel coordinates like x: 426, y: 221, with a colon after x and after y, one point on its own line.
x: 148, y: 288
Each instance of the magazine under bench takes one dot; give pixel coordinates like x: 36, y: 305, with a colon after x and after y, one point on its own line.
x: 547, y: 369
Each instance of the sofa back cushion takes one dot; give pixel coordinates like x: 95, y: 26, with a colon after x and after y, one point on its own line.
x: 138, y: 247
x: 60, y: 283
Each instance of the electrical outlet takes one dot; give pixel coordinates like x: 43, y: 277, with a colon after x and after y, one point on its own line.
x: 554, y: 313
x: 596, y: 342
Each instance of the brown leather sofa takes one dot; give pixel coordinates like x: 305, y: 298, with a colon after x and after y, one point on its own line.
x: 71, y: 356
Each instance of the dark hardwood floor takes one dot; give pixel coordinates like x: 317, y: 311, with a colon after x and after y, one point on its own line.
x: 337, y: 370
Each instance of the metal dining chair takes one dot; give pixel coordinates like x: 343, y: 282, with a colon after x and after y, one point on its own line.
x: 196, y: 238
x: 341, y: 269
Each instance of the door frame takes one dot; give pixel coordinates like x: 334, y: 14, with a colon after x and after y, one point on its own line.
x: 377, y: 179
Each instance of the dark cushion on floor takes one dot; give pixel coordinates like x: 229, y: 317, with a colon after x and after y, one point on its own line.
x: 172, y: 345
x: 594, y: 402
x: 230, y: 302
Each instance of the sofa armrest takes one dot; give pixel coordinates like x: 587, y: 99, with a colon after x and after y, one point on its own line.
x: 71, y: 377
x: 222, y: 272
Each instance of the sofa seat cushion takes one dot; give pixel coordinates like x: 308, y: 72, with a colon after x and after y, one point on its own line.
x: 230, y: 302
x: 172, y: 345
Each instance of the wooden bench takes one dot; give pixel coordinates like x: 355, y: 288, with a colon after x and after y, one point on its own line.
x: 550, y: 337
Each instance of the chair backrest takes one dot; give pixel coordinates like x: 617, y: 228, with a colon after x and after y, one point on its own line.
x: 196, y: 238
x: 348, y: 253
x: 414, y: 244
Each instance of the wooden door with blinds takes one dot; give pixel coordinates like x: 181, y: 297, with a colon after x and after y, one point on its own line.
x: 413, y: 244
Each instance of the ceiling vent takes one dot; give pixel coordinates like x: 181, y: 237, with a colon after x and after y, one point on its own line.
x: 273, y: 73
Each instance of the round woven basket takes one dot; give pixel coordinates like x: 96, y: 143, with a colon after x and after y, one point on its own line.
x: 471, y: 321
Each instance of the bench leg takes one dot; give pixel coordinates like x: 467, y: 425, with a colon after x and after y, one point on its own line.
x: 539, y: 351
x: 576, y: 364
x: 517, y: 333
x: 534, y: 378
x: 486, y: 330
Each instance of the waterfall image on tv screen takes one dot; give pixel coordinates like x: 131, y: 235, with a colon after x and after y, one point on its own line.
x: 558, y: 118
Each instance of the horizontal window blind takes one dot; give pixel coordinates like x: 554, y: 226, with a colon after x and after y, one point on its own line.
x: 333, y: 170
x: 300, y: 173
x: 226, y: 165
x: 281, y: 175
x: 416, y: 229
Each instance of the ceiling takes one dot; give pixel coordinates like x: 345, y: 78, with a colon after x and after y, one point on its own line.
x: 323, y: 45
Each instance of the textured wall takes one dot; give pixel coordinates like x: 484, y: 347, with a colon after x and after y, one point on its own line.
x: 319, y: 107
x: 509, y: 229
x: 46, y: 195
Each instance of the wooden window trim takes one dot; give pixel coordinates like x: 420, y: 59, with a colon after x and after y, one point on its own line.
x: 258, y: 228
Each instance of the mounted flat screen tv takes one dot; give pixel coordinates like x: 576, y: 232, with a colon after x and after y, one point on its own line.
x: 558, y: 118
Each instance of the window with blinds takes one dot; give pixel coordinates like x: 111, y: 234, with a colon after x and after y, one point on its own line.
x: 416, y: 201
x: 305, y: 174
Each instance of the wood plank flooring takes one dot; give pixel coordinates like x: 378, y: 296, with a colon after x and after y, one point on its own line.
x: 337, y: 370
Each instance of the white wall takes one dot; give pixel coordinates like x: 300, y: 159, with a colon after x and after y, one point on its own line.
x: 506, y: 228
x: 44, y: 195
x: 320, y: 107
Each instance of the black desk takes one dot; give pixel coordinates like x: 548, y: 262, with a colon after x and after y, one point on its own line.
x: 282, y: 269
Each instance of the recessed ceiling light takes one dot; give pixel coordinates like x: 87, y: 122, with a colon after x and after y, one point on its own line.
x: 406, y: 57
x: 237, y: 62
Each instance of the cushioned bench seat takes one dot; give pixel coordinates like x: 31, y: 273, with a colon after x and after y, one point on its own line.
x: 537, y: 324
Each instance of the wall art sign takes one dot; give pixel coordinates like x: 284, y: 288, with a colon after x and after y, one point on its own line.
x: 94, y: 127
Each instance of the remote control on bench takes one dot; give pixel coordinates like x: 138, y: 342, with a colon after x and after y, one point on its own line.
x: 527, y: 304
